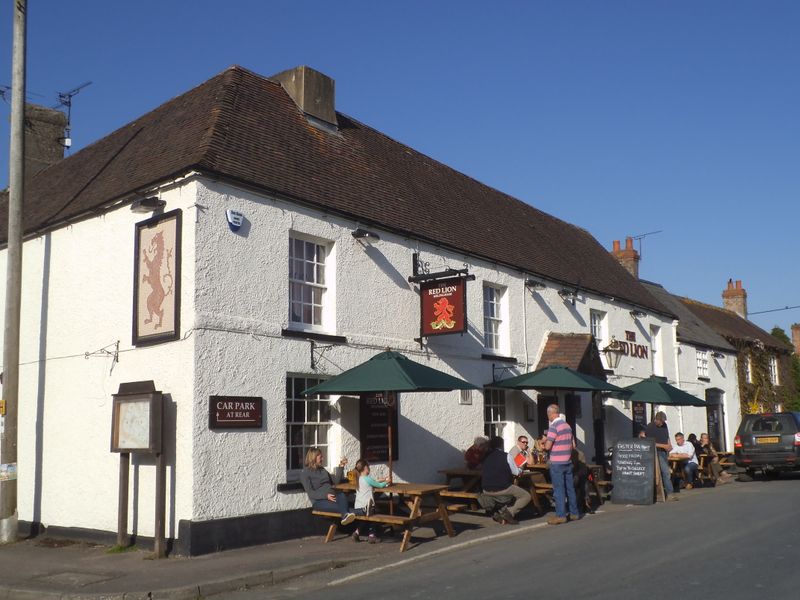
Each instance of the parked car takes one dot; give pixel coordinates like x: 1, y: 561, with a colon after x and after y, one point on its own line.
x: 769, y: 441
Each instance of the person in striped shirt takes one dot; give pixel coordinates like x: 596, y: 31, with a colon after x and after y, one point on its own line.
x: 559, y: 443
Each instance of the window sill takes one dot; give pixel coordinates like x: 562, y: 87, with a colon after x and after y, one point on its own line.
x: 499, y: 358
x: 313, y: 335
x: 294, y: 486
x: 706, y: 379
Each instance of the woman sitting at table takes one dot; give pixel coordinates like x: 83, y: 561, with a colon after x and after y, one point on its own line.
x: 712, y: 460
x: 318, y: 484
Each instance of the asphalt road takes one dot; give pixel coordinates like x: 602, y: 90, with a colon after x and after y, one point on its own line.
x: 736, y: 541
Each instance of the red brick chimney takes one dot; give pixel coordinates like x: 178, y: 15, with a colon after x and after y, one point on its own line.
x: 628, y: 258
x: 734, y: 298
x: 796, y: 337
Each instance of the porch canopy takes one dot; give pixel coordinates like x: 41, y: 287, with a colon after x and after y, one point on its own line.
x: 656, y: 390
x: 390, y: 372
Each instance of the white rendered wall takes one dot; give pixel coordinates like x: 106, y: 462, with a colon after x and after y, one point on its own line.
x: 242, y: 306
x: 77, y: 298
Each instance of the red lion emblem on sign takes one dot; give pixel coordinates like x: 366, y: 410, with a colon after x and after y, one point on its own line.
x: 443, y: 311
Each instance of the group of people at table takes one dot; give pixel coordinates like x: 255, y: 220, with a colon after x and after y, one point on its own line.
x: 685, y: 454
x: 498, y: 470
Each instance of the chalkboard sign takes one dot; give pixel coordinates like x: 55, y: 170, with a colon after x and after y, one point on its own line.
x: 634, y: 472
x: 374, y: 413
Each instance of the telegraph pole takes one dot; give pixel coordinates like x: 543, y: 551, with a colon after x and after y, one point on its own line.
x: 8, y: 439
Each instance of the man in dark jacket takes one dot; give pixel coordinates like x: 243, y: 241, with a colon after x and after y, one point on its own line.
x: 498, y: 480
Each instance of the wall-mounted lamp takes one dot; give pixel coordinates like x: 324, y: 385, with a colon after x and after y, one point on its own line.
x: 534, y: 285
x: 613, y: 353
x: 363, y: 234
x: 637, y: 314
x: 717, y: 355
x: 568, y: 295
x: 146, y: 205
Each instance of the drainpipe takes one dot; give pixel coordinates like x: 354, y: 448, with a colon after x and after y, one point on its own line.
x: 677, y: 368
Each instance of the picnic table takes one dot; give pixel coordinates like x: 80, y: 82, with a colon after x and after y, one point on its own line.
x: 470, y: 478
x: 415, y: 492
x: 676, y: 464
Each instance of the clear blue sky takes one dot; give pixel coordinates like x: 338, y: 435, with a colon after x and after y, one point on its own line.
x: 620, y: 117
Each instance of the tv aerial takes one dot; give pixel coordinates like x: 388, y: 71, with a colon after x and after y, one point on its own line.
x: 65, y: 100
x: 641, y: 236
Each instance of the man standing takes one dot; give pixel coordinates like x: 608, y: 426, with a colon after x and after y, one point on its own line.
x: 684, y: 449
x: 658, y: 431
x: 559, y: 443
x: 498, y: 480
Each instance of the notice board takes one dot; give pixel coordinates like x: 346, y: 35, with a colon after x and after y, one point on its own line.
x: 634, y: 474
x: 374, y: 413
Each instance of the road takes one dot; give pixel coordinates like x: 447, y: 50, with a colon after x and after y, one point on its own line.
x: 736, y: 541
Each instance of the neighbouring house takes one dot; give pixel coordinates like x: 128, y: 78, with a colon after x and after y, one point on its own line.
x: 706, y: 368
x: 245, y: 240
x: 763, y: 361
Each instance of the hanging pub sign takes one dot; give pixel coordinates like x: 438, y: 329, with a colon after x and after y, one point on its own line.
x: 375, y: 410
x: 443, y: 307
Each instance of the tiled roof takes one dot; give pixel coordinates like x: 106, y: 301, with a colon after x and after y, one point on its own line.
x: 574, y: 350
x: 731, y: 326
x: 245, y: 129
x: 691, y: 329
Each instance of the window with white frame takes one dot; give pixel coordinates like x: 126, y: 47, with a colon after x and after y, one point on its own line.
x: 493, y: 317
x: 773, y: 370
x: 597, y: 326
x: 306, y: 282
x: 748, y: 370
x: 702, y: 363
x: 494, y: 412
x: 655, y: 350
x: 308, y: 421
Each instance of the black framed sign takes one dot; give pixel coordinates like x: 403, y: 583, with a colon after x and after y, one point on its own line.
x: 157, y: 279
x: 375, y: 410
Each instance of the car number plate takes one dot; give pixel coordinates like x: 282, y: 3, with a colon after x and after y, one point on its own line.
x: 768, y: 440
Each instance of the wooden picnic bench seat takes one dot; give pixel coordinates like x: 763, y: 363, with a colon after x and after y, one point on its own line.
x: 470, y: 497
x: 393, y: 520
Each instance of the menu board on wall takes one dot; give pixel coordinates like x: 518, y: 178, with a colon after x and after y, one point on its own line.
x: 374, y: 414
x: 639, y: 410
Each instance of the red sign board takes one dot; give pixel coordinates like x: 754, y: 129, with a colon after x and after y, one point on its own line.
x: 235, y: 412
x: 443, y: 306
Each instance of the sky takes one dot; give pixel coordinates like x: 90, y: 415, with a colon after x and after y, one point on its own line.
x: 622, y: 117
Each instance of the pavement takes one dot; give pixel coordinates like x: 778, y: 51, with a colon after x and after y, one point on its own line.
x: 47, y: 568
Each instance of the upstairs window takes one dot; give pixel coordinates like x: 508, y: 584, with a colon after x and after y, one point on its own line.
x: 306, y: 283
x: 748, y: 370
x: 493, y: 317
x: 773, y: 370
x: 702, y: 364
x: 597, y: 327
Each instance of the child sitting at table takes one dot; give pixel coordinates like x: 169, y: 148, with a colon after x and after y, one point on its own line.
x: 365, y: 501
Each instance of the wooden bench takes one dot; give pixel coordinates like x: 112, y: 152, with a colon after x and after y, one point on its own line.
x: 471, y: 497
x: 393, y: 520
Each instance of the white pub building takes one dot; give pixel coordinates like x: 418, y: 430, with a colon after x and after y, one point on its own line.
x: 242, y: 242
